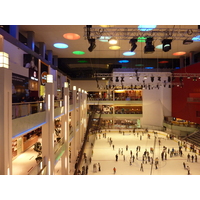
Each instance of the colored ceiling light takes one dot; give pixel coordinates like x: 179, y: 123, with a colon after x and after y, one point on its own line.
x: 163, y: 61
x: 82, y: 61
x: 114, y: 47
x: 139, y: 65
x: 128, y: 53
x: 104, y: 38
x: 196, y: 38
x: 71, y: 36
x: 148, y: 67
x: 141, y: 39
x: 78, y: 52
x: 180, y: 53
x: 123, y: 61
x: 146, y: 27
x: 60, y: 45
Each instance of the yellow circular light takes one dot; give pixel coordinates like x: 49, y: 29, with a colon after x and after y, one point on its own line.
x: 107, y: 26
x: 114, y: 47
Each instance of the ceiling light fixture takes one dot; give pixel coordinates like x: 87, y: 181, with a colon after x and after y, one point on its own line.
x: 92, y: 44
x: 149, y: 48
x: 133, y: 44
x: 112, y: 41
x: 166, y: 45
x: 186, y: 42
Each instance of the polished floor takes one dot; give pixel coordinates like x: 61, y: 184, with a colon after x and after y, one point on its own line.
x: 104, y: 154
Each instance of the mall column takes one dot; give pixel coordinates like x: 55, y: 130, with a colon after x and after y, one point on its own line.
x: 65, y: 128
x: 48, y: 128
x: 5, y: 113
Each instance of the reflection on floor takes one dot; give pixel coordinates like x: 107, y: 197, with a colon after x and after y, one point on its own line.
x: 104, y: 154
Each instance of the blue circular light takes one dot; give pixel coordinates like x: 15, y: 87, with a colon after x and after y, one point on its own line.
x: 146, y: 27
x: 60, y: 45
x: 123, y: 61
x: 129, y: 53
x: 196, y: 38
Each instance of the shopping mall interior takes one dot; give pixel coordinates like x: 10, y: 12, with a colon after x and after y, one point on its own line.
x: 82, y: 99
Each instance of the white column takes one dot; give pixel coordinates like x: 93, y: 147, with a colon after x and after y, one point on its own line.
x: 48, y: 131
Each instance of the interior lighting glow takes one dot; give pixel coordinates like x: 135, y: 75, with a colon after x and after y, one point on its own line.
x: 114, y: 47
x: 146, y: 27
x: 128, y: 53
x: 123, y: 61
x: 148, y: 67
x: 163, y: 61
x: 112, y: 41
x: 78, y: 52
x: 60, y: 45
x: 82, y: 61
x: 107, y: 26
x: 141, y: 39
x: 196, y: 38
x: 180, y: 53
x: 71, y: 36
x: 159, y: 46
x: 104, y: 38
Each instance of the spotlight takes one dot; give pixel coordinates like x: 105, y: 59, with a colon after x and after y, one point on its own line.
x: 133, y: 44
x: 149, y: 48
x: 159, y: 78
x: 169, y: 78
x: 92, y: 44
x: 122, y: 79
x: 166, y: 45
x: 186, y: 42
x: 137, y: 78
x: 117, y: 79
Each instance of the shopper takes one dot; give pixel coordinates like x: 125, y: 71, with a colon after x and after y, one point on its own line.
x: 188, y: 169
x: 141, y: 167
x: 116, y: 156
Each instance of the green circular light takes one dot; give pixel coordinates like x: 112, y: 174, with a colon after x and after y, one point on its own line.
x: 78, y: 52
x: 141, y: 39
x: 82, y: 61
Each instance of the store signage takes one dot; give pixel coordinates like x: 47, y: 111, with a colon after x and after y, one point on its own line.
x: 43, y: 78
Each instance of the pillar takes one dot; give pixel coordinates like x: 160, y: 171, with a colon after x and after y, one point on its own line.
x: 182, y: 60
x: 5, y: 114
x: 48, y: 128
x: 42, y: 49
x: 14, y: 31
x: 191, y: 57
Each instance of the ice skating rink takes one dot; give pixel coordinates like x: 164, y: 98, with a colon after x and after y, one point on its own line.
x: 104, y: 154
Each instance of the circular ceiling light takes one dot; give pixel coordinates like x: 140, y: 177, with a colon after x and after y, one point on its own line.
x: 180, y: 53
x: 123, y: 61
x: 112, y: 41
x: 163, y: 61
x: 146, y: 27
x: 128, y: 53
x: 114, y: 47
x: 196, y: 38
x: 104, y: 38
x: 82, y: 61
x: 78, y: 52
x: 141, y: 39
x: 60, y: 45
x: 71, y: 36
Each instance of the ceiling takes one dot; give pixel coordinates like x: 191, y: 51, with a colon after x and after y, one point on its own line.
x: 101, y: 57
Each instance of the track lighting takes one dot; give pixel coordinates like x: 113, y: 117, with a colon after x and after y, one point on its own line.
x: 133, y: 44
x: 159, y: 78
x: 117, y: 79
x: 149, y: 48
x: 152, y: 79
x: 186, y: 42
x: 92, y: 44
x: 112, y: 41
x: 166, y: 45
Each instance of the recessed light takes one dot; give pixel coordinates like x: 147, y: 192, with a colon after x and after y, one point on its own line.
x: 60, y: 45
x: 146, y: 27
x: 123, y: 61
x: 114, y: 47
x: 104, y: 38
x: 71, y: 36
x: 129, y: 53
x: 78, y: 52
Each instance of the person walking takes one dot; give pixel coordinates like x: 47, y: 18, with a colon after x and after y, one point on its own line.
x: 192, y: 158
x: 141, y: 167
x: 188, y: 157
x: 188, y: 169
x: 99, y: 166
x: 116, y: 156
x: 195, y: 158
x: 114, y: 170
x: 184, y: 165
x: 113, y: 146
x: 133, y: 158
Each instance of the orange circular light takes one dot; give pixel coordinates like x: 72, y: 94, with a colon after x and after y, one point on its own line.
x: 71, y: 36
x: 180, y: 53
